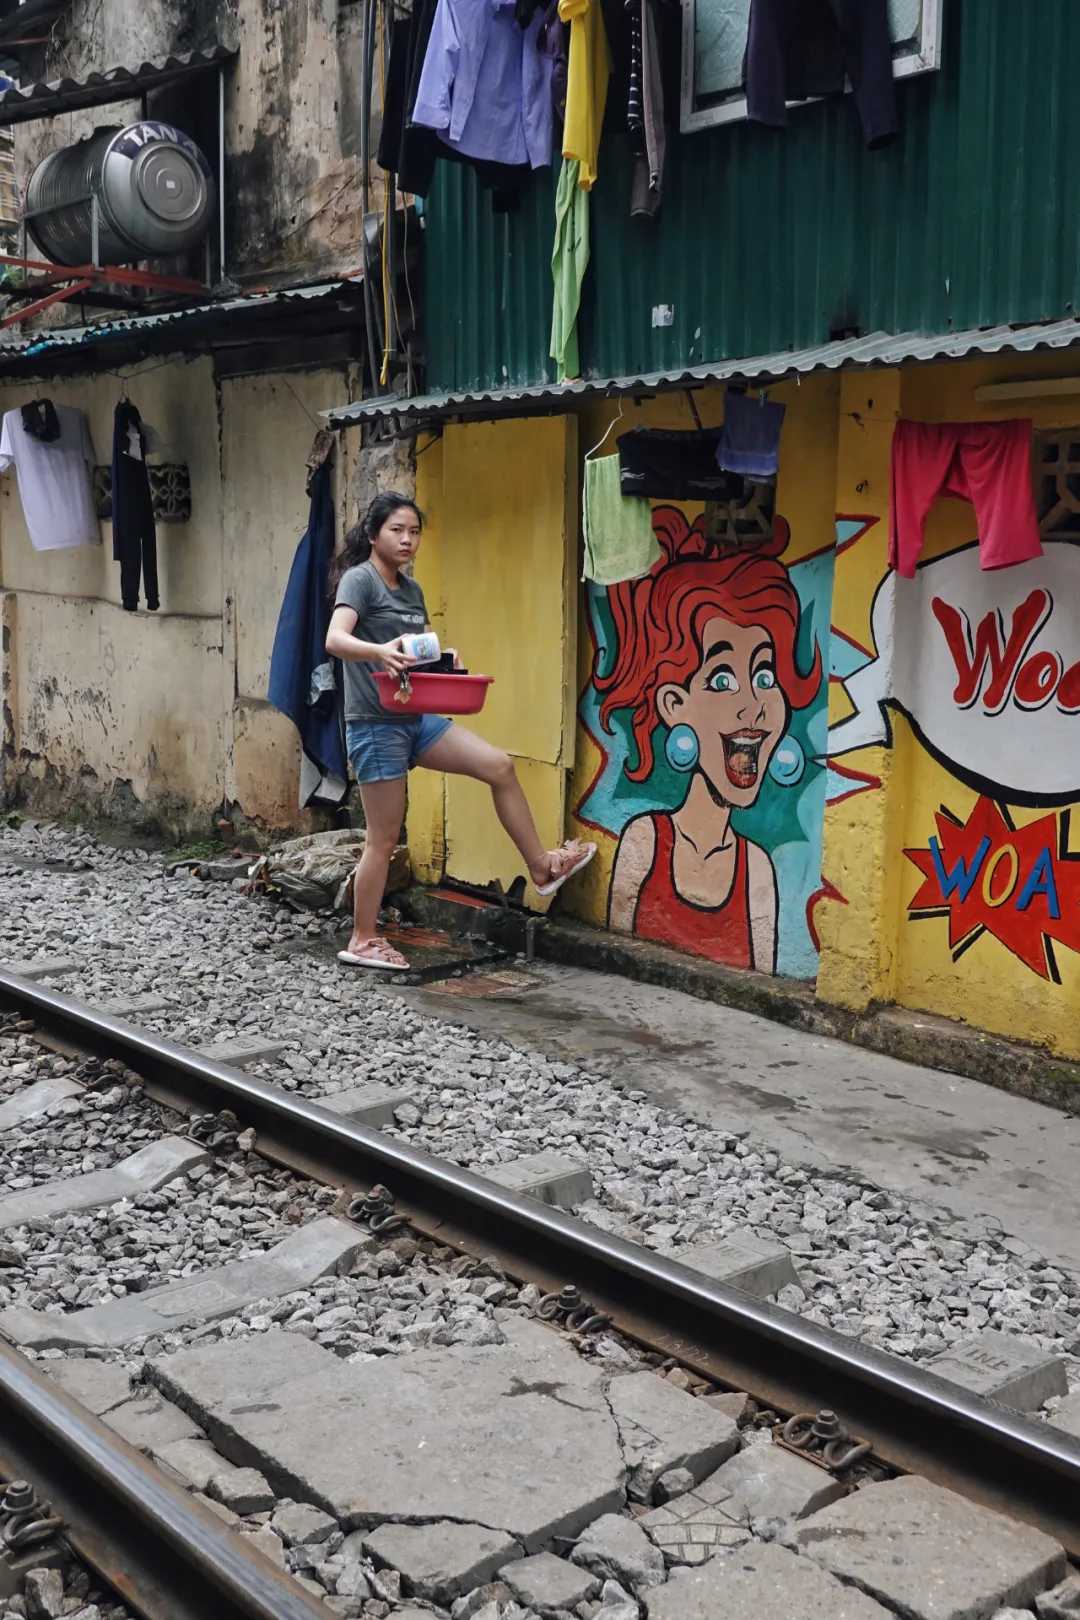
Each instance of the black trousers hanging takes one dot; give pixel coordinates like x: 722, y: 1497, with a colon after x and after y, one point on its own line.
x: 134, y: 534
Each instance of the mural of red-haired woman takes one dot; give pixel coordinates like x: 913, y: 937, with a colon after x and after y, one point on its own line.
x: 701, y: 664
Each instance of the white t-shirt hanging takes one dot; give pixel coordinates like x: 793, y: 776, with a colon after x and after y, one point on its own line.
x: 55, y: 480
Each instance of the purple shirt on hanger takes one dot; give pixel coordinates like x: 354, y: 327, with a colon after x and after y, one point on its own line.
x: 486, y: 86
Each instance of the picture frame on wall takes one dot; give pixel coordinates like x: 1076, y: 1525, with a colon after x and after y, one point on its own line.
x: 714, y: 46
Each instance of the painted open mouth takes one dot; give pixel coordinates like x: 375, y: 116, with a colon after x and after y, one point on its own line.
x: 741, y: 751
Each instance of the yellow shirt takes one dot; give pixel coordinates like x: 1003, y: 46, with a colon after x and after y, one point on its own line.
x: 587, y: 74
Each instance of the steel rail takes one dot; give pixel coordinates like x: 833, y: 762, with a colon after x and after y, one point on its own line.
x: 166, y: 1555
x: 916, y: 1421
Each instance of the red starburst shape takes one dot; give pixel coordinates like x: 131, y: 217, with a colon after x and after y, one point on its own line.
x: 1018, y: 883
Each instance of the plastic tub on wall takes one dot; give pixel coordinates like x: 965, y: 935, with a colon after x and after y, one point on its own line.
x: 434, y: 694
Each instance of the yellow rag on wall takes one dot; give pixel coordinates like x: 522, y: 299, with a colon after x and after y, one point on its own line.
x: 587, y: 74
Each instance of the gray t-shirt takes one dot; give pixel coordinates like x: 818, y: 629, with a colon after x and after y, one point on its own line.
x: 381, y: 614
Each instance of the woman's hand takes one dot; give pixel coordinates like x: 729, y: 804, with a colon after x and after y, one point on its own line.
x: 456, y: 656
x: 393, y: 657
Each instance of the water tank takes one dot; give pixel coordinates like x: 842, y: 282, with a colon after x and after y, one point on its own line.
x: 154, y: 191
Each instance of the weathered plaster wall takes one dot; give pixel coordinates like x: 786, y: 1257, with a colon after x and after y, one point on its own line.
x: 292, y: 111
x: 164, y: 715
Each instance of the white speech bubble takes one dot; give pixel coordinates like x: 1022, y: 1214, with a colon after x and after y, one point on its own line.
x: 1000, y: 706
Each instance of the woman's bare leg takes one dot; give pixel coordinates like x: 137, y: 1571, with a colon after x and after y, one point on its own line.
x: 462, y: 753
x: 384, y: 811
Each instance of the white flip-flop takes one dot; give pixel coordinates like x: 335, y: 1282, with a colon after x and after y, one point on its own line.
x: 374, y: 960
x: 588, y: 851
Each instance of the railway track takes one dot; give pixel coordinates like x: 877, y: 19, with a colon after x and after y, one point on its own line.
x: 167, y: 1555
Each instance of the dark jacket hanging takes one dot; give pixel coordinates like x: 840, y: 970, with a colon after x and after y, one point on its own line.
x: 303, y: 676
x: 801, y: 48
x: 134, y: 534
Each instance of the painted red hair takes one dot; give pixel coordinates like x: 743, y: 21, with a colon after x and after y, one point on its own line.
x: 660, y: 622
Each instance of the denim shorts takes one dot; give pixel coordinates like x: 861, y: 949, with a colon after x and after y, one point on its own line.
x: 383, y: 750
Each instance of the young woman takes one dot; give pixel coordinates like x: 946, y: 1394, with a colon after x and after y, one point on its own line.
x: 705, y: 649
x: 375, y: 605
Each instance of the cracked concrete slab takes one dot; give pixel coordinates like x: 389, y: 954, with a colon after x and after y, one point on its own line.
x: 515, y: 1437
x: 763, y: 1582
x: 98, y: 1385
x: 930, y: 1554
x: 323, y: 1246
x: 545, y: 1582
x: 33, y: 1101
x: 151, y: 1167
x: 441, y: 1561
x: 149, y: 1422
x: 663, y: 1427
x: 769, y: 1482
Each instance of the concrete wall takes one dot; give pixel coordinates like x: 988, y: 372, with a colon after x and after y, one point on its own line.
x: 908, y: 834
x: 163, y: 715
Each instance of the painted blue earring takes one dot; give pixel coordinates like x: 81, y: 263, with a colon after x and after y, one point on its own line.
x: 788, y: 762
x: 682, y: 748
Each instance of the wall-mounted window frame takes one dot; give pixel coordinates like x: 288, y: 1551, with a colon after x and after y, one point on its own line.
x: 919, y: 54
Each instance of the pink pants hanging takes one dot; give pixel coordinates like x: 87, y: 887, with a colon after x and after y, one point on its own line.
x: 986, y: 463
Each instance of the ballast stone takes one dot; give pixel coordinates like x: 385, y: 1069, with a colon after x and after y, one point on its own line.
x: 323, y: 1246
x: 930, y: 1554
x: 145, y: 1171
x: 1004, y: 1368
x: 440, y: 1561
x: 549, y: 1177
x: 762, y: 1582
x: 520, y: 1432
x: 544, y: 1582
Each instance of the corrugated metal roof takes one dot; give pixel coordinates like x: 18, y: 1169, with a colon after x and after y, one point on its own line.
x: 880, y: 349
x: 22, y: 103
x: 769, y: 240
x: 173, y: 327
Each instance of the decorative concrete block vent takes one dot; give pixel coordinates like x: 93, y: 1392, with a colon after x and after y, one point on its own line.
x: 170, y: 491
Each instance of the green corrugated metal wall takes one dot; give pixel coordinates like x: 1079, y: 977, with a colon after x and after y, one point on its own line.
x: 770, y: 240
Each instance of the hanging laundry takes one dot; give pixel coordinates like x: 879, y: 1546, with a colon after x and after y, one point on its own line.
x: 54, y: 474
x: 673, y: 464
x: 646, y: 187
x: 406, y: 149
x: 485, y: 87
x: 569, y: 261
x: 986, y: 463
x: 801, y: 48
x: 619, y: 539
x: 588, y: 71
x: 750, y: 438
x: 303, y: 678
x: 134, y: 533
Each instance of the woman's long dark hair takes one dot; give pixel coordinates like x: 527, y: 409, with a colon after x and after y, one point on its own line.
x: 356, y: 546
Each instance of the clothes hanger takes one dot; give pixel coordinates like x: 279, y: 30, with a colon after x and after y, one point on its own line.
x: 601, y: 442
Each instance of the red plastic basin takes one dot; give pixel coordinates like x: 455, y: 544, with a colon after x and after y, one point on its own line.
x: 434, y: 694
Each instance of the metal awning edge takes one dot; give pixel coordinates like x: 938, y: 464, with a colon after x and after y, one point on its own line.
x: 879, y: 349
x: 24, y: 103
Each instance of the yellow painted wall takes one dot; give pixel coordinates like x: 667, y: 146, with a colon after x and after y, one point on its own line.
x: 873, y: 948
x: 497, y: 566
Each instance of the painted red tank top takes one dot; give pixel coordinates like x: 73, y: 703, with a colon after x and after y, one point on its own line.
x: 720, y: 932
